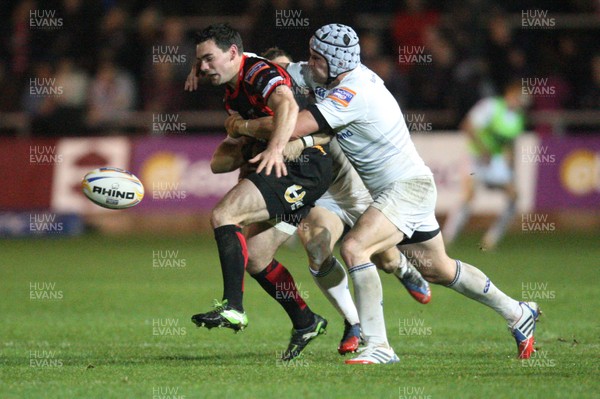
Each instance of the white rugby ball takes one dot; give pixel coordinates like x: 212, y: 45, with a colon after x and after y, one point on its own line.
x: 113, y: 188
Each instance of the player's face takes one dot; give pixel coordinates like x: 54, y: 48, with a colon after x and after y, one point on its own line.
x: 217, y: 65
x: 318, y: 67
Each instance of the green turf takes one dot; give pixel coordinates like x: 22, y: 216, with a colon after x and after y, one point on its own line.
x: 96, y: 338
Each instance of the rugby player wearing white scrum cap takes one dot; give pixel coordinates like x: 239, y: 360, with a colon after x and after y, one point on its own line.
x: 366, y: 120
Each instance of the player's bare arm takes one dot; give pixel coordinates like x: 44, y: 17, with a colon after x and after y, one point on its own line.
x: 261, y: 128
x: 305, y: 124
x: 228, y: 155
x: 284, y: 106
x: 293, y: 149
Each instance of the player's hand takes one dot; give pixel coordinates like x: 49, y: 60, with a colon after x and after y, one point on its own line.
x: 191, y: 83
x: 232, y: 125
x: 292, y: 150
x: 270, y: 159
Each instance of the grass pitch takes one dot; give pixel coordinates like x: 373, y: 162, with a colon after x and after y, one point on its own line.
x: 99, y: 317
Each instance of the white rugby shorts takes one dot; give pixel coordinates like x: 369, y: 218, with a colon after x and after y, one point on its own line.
x: 409, y: 204
x: 347, y: 208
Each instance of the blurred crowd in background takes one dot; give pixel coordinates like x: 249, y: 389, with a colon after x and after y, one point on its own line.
x: 110, y: 57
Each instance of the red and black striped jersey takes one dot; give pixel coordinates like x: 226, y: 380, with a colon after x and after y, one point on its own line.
x: 257, y: 79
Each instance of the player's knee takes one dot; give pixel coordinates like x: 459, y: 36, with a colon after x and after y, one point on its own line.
x: 219, y: 217
x: 215, y: 218
x: 318, y: 252
x: 317, y: 249
x: 352, y: 251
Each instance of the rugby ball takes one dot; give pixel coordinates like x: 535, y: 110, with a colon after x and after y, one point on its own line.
x: 112, y: 188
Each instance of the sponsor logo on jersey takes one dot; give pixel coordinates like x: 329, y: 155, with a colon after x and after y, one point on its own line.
x: 294, y: 195
x: 342, y: 95
x: 344, y: 134
x: 320, y: 92
x: 253, y: 72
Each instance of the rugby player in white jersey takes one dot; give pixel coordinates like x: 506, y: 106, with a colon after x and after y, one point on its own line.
x: 352, y: 101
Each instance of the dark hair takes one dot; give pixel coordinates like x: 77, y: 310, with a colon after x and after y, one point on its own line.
x: 223, y: 35
x: 274, y: 52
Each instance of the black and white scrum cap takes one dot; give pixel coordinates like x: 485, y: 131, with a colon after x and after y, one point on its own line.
x: 338, y: 44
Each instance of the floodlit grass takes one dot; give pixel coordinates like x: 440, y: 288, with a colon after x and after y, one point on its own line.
x: 95, y: 317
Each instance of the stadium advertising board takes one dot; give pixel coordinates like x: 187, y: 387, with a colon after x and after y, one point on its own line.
x: 568, y: 173
x: 176, y: 173
x: 26, y: 176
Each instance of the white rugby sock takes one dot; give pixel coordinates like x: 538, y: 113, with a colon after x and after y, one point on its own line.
x: 369, y: 302
x: 333, y: 282
x: 472, y: 283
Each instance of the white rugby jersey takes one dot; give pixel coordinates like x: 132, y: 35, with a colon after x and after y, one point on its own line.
x: 346, y: 185
x: 368, y: 125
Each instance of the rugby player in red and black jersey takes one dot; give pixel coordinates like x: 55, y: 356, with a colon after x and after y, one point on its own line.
x: 257, y: 88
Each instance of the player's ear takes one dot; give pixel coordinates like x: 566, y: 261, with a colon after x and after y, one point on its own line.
x: 233, y: 51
